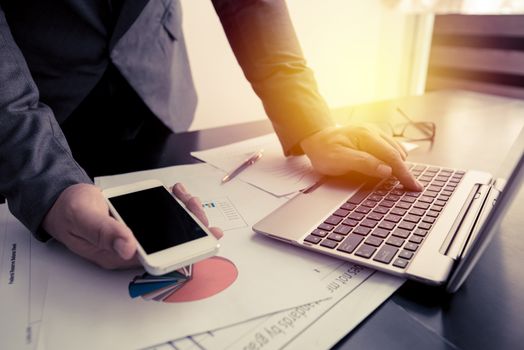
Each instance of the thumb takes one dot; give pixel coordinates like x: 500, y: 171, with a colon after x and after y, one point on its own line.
x: 114, y: 236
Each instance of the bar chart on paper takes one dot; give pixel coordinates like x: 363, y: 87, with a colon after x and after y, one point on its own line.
x: 199, y: 281
x: 222, y: 213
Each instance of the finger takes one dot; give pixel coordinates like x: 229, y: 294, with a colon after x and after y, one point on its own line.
x: 385, y: 152
x: 405, y: 177
x: 364, y: 163
x: 195, y: 206
x: 181, y: 193
x: 218, y: 233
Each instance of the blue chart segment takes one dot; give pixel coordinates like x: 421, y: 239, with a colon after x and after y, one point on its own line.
x: 203, y: 280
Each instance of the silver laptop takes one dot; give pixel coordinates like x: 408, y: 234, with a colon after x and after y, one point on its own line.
x: 434, y: 236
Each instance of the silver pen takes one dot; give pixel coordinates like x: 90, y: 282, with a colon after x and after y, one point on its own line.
x: 246, y: 163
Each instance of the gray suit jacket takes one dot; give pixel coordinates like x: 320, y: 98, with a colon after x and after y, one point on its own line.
x: 53, y: 53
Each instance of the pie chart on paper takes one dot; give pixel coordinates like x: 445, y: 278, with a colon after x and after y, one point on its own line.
x: 205, y: 279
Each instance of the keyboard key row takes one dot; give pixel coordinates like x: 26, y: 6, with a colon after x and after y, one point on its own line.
x: 380, y: 222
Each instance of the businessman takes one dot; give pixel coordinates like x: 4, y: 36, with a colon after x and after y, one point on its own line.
x: 69, y: 67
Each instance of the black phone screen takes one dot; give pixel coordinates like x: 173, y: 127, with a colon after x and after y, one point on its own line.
x: 156, y: 219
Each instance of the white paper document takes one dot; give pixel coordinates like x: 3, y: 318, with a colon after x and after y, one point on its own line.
x: 274, y: 173
x: 355, y: 291
x: 280, y: 297
x: 89, y: 308
x: 23, y: 282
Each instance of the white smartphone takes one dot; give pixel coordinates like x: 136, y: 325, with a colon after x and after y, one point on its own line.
x: 169, y: 236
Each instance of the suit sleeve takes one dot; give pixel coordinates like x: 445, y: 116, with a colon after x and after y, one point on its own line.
x: 262, y: 37
x: 36, y: 164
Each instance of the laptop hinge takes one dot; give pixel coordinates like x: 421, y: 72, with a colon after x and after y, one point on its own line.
x: 462, y: 228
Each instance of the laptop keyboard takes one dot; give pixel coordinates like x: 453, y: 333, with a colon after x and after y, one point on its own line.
x: 386, y: 223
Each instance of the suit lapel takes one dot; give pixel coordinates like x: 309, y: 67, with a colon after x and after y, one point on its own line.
x: 131, y: 9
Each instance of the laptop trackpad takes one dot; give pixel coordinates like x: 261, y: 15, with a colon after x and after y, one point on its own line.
x: 304, y: 212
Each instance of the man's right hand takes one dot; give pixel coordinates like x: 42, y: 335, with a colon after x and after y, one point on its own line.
x: 80, y: 219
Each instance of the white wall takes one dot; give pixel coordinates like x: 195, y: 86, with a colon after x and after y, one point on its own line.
x: 358, y: 50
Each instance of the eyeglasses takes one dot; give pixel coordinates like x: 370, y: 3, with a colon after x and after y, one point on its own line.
x: 412, y: 130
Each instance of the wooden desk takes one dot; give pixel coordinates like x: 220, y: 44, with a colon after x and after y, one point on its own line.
x: 473, y: 131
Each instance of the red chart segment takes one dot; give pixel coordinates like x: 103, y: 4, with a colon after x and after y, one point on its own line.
x: 209, y: 277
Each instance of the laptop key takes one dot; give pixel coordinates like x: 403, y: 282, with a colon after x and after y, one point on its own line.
x: 350, y: 222
x: 411, y: 246
x: 350, y: 243
x: 362, y: 210
x: 361, y: 230
x: 424, y: 226
x: 412, y: 218
x: 432, y: 214
x: 326, y: 227
x: 336, y: 237
x: 369, y: 223
x: 428, y: 219
x: 440, y: 203
x: 342, y: 229
x: 348, y: 206
x: 403, y: 205
x: 387, y: 204
x: 375, y: 216
x: 426, y: 199
x: 392, y: 198
x: 438, y: 183
x: 356, y: 216
x: 432, y: 194
x: 341, y: 212
x: 380, y: 193
x: 375, y: 198
x: 386, y: 225
x: 393, y: 218
x: 319, y: 233
x: 407, y: 225
x: 379, y: 232
x: 420, y: 232
x: 329, y: 243
x: 436, y: 208
x: 416, y: 239
x: 333, y: 220
x: 406, y: 254
x: 443, y: 198
x: 409, y: 199
x: 369, y: 203
x: 398, y: 211
x: 401, y: 233
x: 402, y: 263
x: 312, y: 239
x: 395, y: 241
x: 381, y: 210
x: 412, y: 194
x: 385, y: 254
x: 398, y: 192
x: 358, y: 197
x: 421, y: 205
x: 365, y: 251
x: 374, y: 241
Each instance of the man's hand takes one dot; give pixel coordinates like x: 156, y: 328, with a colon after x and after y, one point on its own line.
x: 80, y: 219
x: 338, y: 150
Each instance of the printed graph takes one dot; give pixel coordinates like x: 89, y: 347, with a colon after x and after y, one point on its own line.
x: 196, y: 282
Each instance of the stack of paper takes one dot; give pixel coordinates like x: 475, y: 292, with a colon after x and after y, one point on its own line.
x: 256, y: 292
x: 273, y: 173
